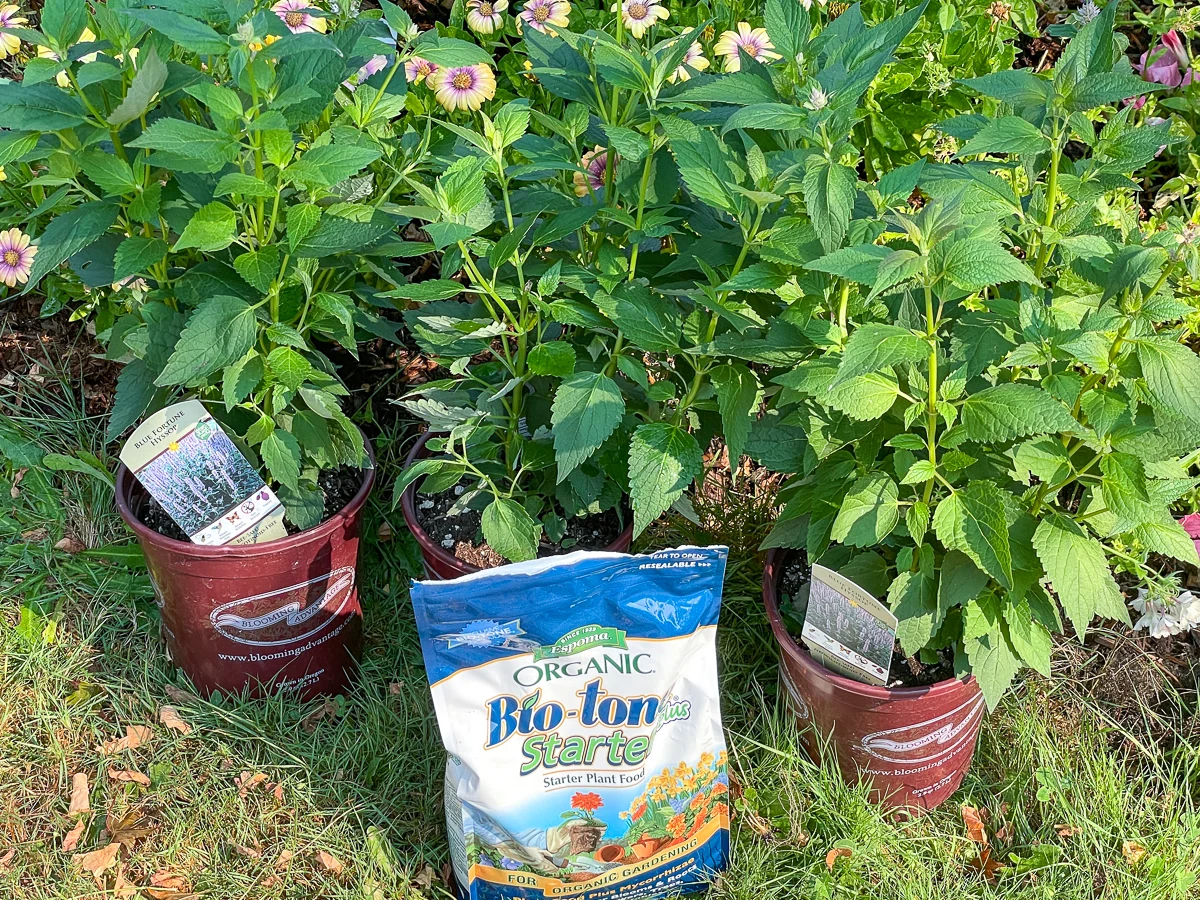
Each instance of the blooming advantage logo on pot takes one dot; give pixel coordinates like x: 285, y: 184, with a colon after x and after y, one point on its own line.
x: 910, y: 744
x: 243, y: 622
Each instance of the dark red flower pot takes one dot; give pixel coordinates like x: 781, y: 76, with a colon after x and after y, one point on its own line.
x: 259, y: 618
x: 913, y: 744
x: 438, y: 563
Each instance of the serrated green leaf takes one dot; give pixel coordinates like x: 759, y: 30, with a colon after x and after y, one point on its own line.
x: 737, y: 399
x: 973, y: 520
x: 587, y: 408
x: 211, y: 228
x: 663, y: 462
x: 869, y: 511
x: 136, y: 254
x: 149, y: 79
x: 280, y: 452
x: 1078, y: 571
x: 219, y: 333
x: 510, y: 530
x: 829, y: 190
x: 873, y: 347
x: 259, y: 267
x: 241, y: 378
x: 975, y: 263
x: 1006, y: 411
x: 553, y: 358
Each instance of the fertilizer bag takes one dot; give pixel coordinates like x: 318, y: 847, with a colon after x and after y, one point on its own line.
x: 577, y: 699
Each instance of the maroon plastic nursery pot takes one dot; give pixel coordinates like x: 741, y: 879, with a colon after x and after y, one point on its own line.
x: 913, y: 744
x: 440, y: 564
x: 278, y: 616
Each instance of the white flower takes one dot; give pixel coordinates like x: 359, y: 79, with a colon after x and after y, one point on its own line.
x: 1087, y: 12
x: 818, y: 99
x: 1164, y: 618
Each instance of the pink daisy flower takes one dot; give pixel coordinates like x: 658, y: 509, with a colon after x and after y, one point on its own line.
x: 417, y: 69
x: 463, y: 87
x: 296, y: 18
x: 595, y: 162
x: 16, y: 257
x: 694, y: 59
x: 485, y: 16
x: 10, y: 18
x: 541, y: 14
x: 639, y: 16
x: 376, y: 63
x: 753, y: 41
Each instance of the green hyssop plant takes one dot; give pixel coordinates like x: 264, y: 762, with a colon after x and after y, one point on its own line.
x: 611, y: 237
x: 1001, y: 421
x: 219, y: 179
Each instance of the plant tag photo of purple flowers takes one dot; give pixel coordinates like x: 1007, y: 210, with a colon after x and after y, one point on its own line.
x: 191, y: 467
x: 847, y: 629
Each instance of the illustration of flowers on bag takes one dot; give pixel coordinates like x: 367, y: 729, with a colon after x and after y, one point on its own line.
x: 677, y: 804
x: 584, y: 830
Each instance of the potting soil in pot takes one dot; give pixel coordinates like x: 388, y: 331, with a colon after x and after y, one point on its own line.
x: 577, y: 698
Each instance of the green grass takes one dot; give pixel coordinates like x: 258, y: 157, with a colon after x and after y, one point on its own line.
x: 361, y: 777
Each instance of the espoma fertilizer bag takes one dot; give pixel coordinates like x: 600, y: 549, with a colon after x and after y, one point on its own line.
x: 577, y: 698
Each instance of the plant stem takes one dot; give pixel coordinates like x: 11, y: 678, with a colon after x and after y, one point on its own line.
x: 931, y: 404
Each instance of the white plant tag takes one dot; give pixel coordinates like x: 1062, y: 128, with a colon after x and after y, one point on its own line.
x: 848, y: 630
x: 191, y: 467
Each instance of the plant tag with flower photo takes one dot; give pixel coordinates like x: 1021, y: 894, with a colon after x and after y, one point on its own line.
x: 191, y: 467
x: 846, y: 629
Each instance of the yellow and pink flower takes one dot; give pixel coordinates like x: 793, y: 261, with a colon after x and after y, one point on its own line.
x: 16, y: 257
x: 752, y: 41
x: 639, y: 16
x: 595, y: 162
x: 486, y: 16
x: 693, y: 59
x: 296, y: 16
x: 417, y: 70
x: 463, y: 87
x: 10, y: 17
x: 541, y: 14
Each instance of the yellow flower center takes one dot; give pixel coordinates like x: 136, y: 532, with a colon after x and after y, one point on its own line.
x: 462, y: 81
x: 11, y: 257
x: 294, y: 19
x: 486, y: 9
x: 637, y: 11
x: 541, y: 14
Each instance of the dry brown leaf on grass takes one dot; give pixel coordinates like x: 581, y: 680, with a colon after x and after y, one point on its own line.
x: 135, y: 736
x: 179, y: 695
x: 129, y: 775
x: 71, y: 841
x: 71, y: 545
x: 248, y: 852
x: 1133, y: 852
x: 7, y: 858
x: 327, y: 710
x: 1067, y: 831
x: 331, y: 863
x: 166, y: 885
x: 248, y: 781
x: 34, y: 535
x: 395, y: 688
x: 973, y: 819
x: 131, y: 827
x: 123, y: 889
x: 15, y: 490
x: 97, y: 861
x: 169, y: 716
x: 284, y: 858
x: 835, y: 854
x: 80, y: 795
x: 425, y: 878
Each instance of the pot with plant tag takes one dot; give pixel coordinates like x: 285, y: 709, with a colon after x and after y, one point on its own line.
x: 998, y: 417
x: 223, y: 247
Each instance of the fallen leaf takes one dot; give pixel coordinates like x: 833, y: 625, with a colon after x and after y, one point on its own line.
x: 327, y: 710
x: 80, y: 797
x: 15, y: 490
x: 7, y: 858
x: 973, y: 819
x: 330, y: 862
x: 165, y: 884
x: 247, y: 781
x: 98, y: 860
x: 70, y: 545
x: 35, y: 535
x: 285, y: 857
x: 135, y: 736
x: 395, y: 688
x: 424, y: 878
x: 122, y: 889
x: 384, y: 533
x: 131, y: 827
x: 277, y: 791
x: 986, y: 864
x: 178, y: 695
x: 71, y: 841
x: 129, y: 775
x: 169, y: 716
x: 269, y: 882
x: 833, y: 855
x: 1067, y: 831
x: 1133, y: 852
x: 248, y: 852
